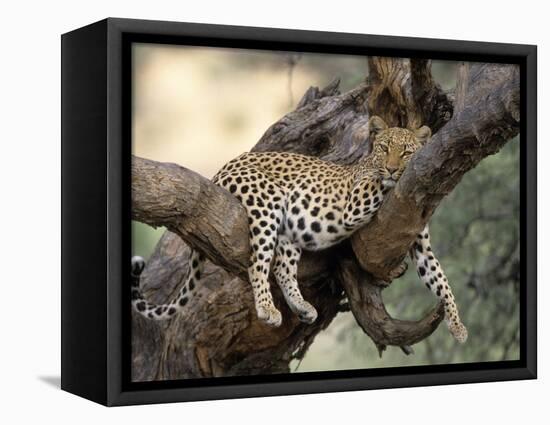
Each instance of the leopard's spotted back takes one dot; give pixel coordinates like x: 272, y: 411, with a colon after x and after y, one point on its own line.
x: 305, y: 197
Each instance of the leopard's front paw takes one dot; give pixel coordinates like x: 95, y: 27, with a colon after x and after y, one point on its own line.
x: 459, y: 331
x: 399, y: 270
x: 269, y: 315
x: 305, y: 312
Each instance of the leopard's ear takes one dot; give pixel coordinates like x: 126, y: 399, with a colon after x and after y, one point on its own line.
x: 423, y: 134
x: 376, y: 125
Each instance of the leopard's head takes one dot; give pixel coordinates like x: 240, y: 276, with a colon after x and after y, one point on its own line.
x: 392, y: 148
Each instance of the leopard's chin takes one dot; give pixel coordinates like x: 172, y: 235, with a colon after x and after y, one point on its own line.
x: 388, y: 182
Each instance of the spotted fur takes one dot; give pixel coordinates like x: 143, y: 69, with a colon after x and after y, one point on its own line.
x: 295, y: 203
x: 431, y: 273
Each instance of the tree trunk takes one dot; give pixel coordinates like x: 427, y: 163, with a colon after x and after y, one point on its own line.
x: 219, y: 334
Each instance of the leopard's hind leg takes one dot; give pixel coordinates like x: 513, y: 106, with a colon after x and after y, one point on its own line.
x: 285, y: 270
x: 433, y: 276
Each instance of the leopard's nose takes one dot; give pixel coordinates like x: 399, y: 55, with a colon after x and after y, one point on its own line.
x: 391, y: 169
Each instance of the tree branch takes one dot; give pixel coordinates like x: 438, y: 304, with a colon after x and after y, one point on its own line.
x: 206, y: 216
x: 365, y: 299
x: 404, y: 94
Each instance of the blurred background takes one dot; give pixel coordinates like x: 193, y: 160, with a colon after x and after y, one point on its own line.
x: 200, y: 107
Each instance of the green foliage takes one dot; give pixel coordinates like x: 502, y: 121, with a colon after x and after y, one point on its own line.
x: 144, y: 239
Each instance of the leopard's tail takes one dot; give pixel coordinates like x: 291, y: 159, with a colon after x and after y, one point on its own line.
x: 178, y: 303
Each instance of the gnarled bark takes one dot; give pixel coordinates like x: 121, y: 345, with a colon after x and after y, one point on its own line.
x: 220, y: 335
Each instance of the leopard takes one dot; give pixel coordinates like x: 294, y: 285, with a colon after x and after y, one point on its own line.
x: 296, y: 203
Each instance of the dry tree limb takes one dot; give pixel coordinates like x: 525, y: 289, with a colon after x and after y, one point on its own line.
x: 205, y: 215
x: 367, y: 306
x: 404, y: 94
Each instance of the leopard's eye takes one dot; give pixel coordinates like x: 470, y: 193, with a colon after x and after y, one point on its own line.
x: 406, y: 154
x: 384, y: 148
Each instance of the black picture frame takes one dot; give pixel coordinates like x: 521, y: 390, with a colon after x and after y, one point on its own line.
x: 96, y: 210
